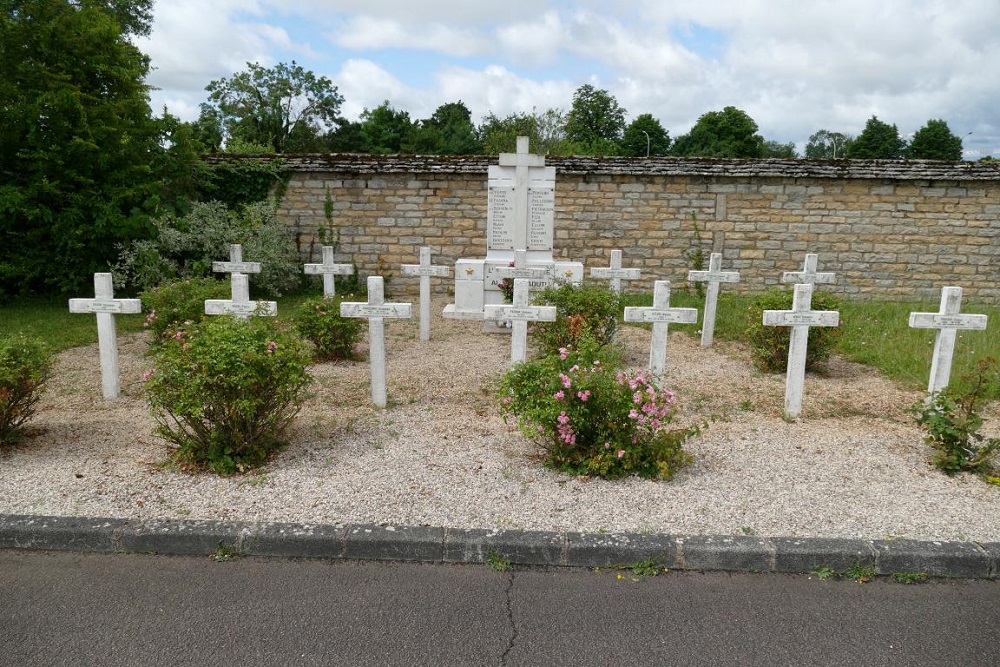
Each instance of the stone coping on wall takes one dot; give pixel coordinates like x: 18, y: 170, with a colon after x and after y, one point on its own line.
x: 900, y: 170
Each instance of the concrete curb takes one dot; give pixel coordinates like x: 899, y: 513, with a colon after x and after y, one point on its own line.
x: 525, y: 547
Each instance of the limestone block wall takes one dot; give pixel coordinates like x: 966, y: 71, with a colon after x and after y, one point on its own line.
x: 888, y: 229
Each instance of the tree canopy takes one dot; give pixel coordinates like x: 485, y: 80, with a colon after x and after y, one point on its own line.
x: 935, y: 141
x: 449, y: 131
x: 878, y: 141
x: 728, y: 133
x: 282, y: 106
x: 595, y: 121
x: 385, y: 129
x: 826, y: 144
x: 645, y: 136
x: 80, y: 153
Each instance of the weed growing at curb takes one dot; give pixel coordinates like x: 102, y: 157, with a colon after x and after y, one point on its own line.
x: 497, y: 562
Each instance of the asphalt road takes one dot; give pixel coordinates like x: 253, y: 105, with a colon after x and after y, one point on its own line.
x: 92, y: 609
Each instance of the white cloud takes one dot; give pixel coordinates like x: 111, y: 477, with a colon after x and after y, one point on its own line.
x: 366, y: 85
x: 365, y: 32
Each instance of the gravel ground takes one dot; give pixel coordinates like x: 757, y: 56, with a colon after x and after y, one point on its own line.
x: 854, y: 465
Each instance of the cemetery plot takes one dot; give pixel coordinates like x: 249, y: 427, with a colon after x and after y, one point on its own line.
x: 615, y: 273
x: 800, y: 318
x: 948, y: 321
x: 661, y: 315
x: 105, y: 306
x: 519, y: 314
x: 375, y: 311
x: 425, y: 270
x: 328, y: 269
x: 714, y: 276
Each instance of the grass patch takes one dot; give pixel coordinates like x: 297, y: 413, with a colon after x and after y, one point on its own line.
x: 51, y: 321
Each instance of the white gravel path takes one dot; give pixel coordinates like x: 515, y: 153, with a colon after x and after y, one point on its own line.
x: 440, y: 455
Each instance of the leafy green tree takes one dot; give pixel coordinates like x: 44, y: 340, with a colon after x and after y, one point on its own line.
x: 935, y: 141
x: 595, y: 121
x: 728, y: 133
x: 499, y: 135
x: 779, y: 150
x: 385, y: 130
x: 826, y: 144
x: 645, y: 136
x: 449, y: 131
x: 878, y: 141
x: 80, y: 152
x: 347, y: 138
x: 280, y: 106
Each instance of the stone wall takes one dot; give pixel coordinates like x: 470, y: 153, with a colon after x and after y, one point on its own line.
x: 888, y: 229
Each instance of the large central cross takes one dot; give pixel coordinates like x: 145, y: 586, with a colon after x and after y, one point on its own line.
x: 523, y: 162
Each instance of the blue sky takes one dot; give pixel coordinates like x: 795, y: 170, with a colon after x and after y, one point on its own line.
x: 794, y: 66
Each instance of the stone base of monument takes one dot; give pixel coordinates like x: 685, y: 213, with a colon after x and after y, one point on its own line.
x: 477, y: 283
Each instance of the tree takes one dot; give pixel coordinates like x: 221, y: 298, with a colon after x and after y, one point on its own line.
x: 878, y: 141
x: 935, y: 141
x: 385, y: 129
x: 499, y: 135
x: 645, y: 136
x: 281, y: 106
x: 80, y: 151
x: 826, y: 144
x: 596, y: 121
x: 779, y: 150
x: 449, y: 131
x: 728, y: 133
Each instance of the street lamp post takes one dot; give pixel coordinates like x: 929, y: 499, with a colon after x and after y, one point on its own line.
x: 647, y: 142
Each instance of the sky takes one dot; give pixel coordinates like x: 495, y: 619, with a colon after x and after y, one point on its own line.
x: 794, y: 66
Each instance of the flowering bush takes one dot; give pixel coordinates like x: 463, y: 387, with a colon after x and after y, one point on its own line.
x: 334, y: 337
x: 594, y: 420
x: 581, y: 310
x: 225, y: 391
x: 25, y: 364
x: 171, y: 303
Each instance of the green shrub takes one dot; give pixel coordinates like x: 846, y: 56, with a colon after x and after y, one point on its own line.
x: 769, y: 345
x: 172, y: 303
x: 581, y: 310
x: 25, y: 364
x: 186, y: 246
x: 318, y: 320
x: 595, y: 420
x: 225, y: 391
x: 952, y: 421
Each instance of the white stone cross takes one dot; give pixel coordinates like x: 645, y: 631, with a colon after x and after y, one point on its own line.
x: 425, y: 270
x: 615, y: 272
x: 375, y: 310
x: 661, y: 315
x: 236, y: 263
x: 105, y: 305
x: 239, y: 304
x: 521, y: 269
x: 713, y: 277
x: 799, y: 318
x: 520, y: 313
x: 808, y: 274
x: 947, y: 321
x: 523, y: 162
x: 328, y: 269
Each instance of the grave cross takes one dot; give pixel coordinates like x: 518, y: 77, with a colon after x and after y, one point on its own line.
x: 947, y: 321
x: 239, y: 303
x: 661, y: 315
x: 375, y: 311
x: 328, y: 269
x: 713, y: 277
x: 105, y: 305
x: 808, y: 274
x: 520, y: 313
x: 800, y: 318
x: 425, y: 270
x: 615, y: 272
x: 521, y: 269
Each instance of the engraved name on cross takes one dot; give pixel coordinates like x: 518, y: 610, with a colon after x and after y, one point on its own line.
x: 328, y: 269
x: 520, y: 313
x: 615, y: 272
x: 661, y: 315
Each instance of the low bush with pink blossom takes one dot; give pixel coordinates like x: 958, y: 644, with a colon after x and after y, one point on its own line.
x: 593, y: 418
